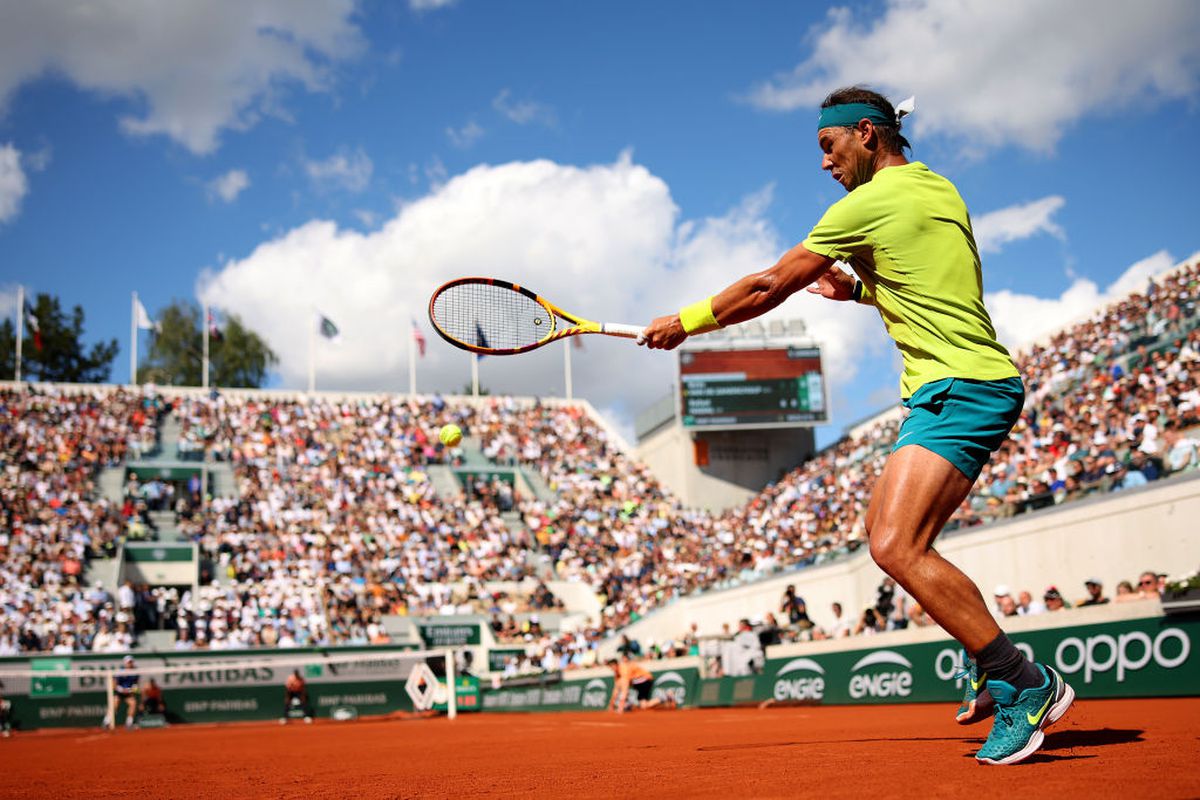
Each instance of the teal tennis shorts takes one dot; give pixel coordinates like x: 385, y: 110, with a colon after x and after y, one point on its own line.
x: 962, y: 420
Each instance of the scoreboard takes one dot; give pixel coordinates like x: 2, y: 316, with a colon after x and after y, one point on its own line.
x: 764, y: 387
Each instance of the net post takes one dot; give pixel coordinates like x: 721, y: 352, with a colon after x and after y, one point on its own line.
x: 451, y: 689
x: 110, y: 715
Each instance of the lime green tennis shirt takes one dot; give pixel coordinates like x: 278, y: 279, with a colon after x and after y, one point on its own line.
x: 907, y: 235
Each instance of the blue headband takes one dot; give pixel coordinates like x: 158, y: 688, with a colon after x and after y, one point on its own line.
x: 848, y: 115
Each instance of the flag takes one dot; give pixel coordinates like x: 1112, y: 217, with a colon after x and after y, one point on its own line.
x: 480, y: 340
x: 418, y: 337
x: 328, y: 329
x: 32, y: 321
x: 143, y: 318
x: 214, y: 330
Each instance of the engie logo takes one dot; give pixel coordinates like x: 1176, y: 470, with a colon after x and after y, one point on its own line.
x: 1128, y: 652
x: 595, y: 694
x: 670, y: 686
x: 890, y: 683
x: 792, y: 686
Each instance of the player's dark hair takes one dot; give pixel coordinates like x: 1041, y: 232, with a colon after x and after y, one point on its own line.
x: 889, y: 135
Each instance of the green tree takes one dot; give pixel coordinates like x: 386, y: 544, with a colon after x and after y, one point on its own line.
x: 62, y: 357
x: 239, y: 357
x: 8, y: 350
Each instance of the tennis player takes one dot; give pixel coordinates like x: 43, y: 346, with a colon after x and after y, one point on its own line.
x: 631, y: 677
x: 905, y: 232
x: 125, y: 692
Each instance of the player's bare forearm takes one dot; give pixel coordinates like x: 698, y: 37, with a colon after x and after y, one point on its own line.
x: 748, y: 297
x: 756, y: 294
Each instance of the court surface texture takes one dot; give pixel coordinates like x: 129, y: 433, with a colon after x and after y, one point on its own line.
x: 1102, y: 748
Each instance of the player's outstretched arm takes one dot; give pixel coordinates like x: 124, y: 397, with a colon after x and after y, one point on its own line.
x: 745, y: 299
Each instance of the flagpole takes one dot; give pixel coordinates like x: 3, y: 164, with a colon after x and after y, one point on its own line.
x: 204, y: 325
x: 312, y: 358
x: 474, y: 375
x: 20, y: 328
x: 133, y: 329
x: 567, y: 367
x: 412, y: 362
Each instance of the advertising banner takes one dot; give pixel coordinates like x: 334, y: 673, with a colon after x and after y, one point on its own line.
x: 570, y: 695
x: 498, y: 658
x: 466, y: 692
x: 459, y: 635
x: 214, y: 688
x: 679, y: 686
x: 1154, y: 657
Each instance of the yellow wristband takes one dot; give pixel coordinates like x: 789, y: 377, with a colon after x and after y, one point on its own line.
x: 698, y: 317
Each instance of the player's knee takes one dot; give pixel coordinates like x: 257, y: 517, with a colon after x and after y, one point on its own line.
x: 892, y: 551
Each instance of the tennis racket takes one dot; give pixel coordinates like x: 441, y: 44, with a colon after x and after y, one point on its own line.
x: 498, y: 318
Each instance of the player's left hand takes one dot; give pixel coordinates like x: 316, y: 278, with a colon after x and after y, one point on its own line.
x: 834, y: 284
x: 664, y: 333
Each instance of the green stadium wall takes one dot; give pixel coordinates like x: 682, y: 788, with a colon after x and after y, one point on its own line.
x: 1154, y: 656
x: 216, y: 690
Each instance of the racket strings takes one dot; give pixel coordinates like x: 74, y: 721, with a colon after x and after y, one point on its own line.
x: 491, y: 317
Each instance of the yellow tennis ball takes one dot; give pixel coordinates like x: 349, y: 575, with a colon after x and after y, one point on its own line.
x: 450, y: 435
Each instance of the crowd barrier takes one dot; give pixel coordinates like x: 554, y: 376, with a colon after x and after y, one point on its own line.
x: 214, y: 686
x: 1143, y: 657
x: 1124, y: 657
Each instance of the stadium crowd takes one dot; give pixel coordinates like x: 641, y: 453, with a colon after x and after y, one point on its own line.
x: 336, y: 522
x: 53, y: 443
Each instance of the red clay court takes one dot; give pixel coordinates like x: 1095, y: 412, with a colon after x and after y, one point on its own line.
x: 1102, y: 748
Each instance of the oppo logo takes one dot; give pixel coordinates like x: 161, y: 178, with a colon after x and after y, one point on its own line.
x: 789, y: 685
x: 1127, y: 652
x: 948, y: 665
x: 890, y: 683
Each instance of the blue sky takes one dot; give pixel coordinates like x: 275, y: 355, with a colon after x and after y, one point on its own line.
x: 623, y: 158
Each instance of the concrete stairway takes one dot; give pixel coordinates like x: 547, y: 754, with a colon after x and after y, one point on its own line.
x: 541, y: 490
x: 164, y: 523
x: 107, y: 571
x: 444, y: 481
x: 111, y: 484
x: 168, y: 437
x: 220, y: 480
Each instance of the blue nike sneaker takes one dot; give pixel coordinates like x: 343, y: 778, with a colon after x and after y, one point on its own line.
x: 1020, y: 718
x: 976, y: 705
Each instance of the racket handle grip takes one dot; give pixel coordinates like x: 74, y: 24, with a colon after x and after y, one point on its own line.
x: 616, y: 329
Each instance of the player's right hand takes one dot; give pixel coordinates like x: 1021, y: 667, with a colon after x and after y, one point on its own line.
x: 664, y: 333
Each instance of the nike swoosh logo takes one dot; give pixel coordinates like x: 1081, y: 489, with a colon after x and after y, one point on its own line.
x: 904, y: 435
x: 976, y: 684
x: 1034, y: 719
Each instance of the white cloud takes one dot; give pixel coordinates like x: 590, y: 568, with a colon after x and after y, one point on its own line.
x: 191, y: 68
x: 38, y: 160
x: 229, y: 186
x: 1017, y: 72
x: 430, y: 5
x: 8, y: 304
x: 603, y: 240
x: 522, y: 112
x: 13, y: 183
x: 346, y: 169
x: 997, y: 228
x: 465, y: 136
x: 1021, y: 319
